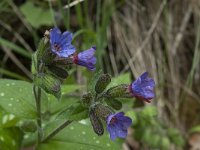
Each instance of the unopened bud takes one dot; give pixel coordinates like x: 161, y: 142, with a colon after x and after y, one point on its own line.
x: 86, y: 99
x: 102, y: 111
x: 102, y: 83
x: 48, y: 83
x: 96, y: 123
x: 42, y: 49
x: 119, y: 91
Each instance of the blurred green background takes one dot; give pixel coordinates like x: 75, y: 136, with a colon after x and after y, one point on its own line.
x: 132, y: 36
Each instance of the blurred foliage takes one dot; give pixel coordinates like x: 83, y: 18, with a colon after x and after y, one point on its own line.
x: 36, y: 16
x: 151, y: 132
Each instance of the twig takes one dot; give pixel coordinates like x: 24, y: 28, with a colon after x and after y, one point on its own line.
x: 58, y: 129
x: 72, y: 4
x: 16, y: 61
x: 146, y: 40
x: 17, y: 35
x: 179, y: 35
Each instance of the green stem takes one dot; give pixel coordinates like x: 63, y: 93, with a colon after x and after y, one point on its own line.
x: 37, y: 94
x: 58, y: 129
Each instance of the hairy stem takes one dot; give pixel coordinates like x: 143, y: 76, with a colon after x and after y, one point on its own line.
x: 57, y: 130
x: 37, y: 95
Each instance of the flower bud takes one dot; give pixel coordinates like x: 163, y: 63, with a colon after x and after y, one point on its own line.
x: 86, y: 58
x: 48, y: 57
x: 96, y: 123
x: 58, y: 71
x: 102, y: 111
x: 42, y: 48
x: 48, y: 83
x: 119, y: 91
x: 114, y: 103
x: 29, y: 126
x: 86, y: 99
x: 102, y: 83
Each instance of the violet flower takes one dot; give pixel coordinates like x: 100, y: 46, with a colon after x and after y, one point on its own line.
x: 143, y: 87
x: 117, y: 125
x: 86, y: 58
x: 61, y: 43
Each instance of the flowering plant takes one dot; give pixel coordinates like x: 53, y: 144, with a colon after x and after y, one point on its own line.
x: 50, y: 67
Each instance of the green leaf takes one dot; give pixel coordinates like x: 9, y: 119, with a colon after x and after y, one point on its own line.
x: 165, y: 143
x: 15, y: 48
x: 122, y: 79
x: 114, y: 103
x: 16, y: 97
x: 74, y: 112
x: 55, y: 106
x: 149, y: 111
x: 79, y: 137
x: 36, y: 16
x: 195, y: 129
x: 69, y: 88
x: 93, y: 81
x: 176, y: 137
x: 7, y: 120
x: 133, y: 116
x: 10, y: 138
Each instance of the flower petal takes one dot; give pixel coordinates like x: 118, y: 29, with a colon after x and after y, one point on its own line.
x: 143, y: 87
x: 61, y: 43
x: 86, y: 59
x: 117, y: 125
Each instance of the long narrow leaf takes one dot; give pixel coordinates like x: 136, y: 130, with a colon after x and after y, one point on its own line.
x: 15, y: 48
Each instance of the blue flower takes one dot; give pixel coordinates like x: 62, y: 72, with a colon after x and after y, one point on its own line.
x: 117, y: 125
x: 61, y: 43
x: 86, y: 58
x: 143, y: 87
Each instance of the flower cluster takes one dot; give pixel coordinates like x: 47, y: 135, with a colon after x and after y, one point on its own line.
x: 61, y: 46
x: 56, y: 54
x: 117, y: 124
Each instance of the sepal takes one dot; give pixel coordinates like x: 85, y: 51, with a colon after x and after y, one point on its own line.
x: 119, y: 91
x: 96, y: 123
x: 34, y: 65
x: 102, y: 111
x: 42, y: 48
x: 114, y: 103
x: 86, y: 99
x: 62, y: 61
x: 49, y: 84
x: 102, y: 83
x: 58, y: 71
